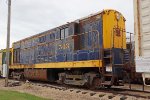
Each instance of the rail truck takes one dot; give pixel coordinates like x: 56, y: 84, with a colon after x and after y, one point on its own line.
x: 90, y: 51
x: 142, y: 38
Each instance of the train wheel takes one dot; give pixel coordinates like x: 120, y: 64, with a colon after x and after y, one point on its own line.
x: 108, y: 86
x: 12, y: 75
x: 96, y: 83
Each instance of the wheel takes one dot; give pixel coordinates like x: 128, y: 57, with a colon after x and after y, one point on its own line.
x: 96, y: 83
x: 12, y: 75
x: 108, y: 86
x: 61, y: 78
x: 22, y: 77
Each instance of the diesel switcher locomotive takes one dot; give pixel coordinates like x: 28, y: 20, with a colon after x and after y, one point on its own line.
x: 90, y: 51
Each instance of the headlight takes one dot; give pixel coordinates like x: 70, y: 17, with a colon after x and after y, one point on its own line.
x: 118, y: 16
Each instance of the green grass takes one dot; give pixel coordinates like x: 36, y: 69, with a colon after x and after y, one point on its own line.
x: 13, y: 95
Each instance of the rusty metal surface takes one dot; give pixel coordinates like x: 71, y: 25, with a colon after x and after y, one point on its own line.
x: 36, y: 74
x: 139, y: 27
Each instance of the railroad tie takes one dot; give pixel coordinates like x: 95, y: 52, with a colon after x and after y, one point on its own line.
x: 111, y: 96
x: 71, y: 90
x: 92, y: 94
x: 78, y: 91
x: 101, y: 95
x: 84, y: 92
x: 123, y: 98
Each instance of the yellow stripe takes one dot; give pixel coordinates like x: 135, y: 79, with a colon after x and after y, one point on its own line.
x: 75, y: 64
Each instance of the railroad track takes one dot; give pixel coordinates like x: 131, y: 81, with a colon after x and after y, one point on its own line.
x: 98, y: 92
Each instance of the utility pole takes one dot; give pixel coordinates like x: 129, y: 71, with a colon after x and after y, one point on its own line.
x: 8, y: 43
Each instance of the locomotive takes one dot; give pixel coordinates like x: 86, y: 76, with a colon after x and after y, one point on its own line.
x: 90, y: 51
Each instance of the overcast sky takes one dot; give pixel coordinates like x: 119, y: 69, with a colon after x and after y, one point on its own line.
x: 30, y: 17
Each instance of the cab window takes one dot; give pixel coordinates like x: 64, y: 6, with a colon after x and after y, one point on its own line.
x: 66, y: 32
x: 62, y: 34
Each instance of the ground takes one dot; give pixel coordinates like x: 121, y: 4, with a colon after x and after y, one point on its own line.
x: 75, y: 94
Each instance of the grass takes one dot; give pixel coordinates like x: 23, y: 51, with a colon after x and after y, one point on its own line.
x: 13, y: 95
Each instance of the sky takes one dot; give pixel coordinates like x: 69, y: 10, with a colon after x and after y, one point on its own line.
x: 30, y: 17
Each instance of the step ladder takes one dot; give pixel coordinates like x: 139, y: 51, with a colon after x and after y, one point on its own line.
x: 126, y: 56
x: 108, y: 76
x: 107, y: 71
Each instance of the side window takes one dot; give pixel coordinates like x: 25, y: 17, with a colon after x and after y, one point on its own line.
x: 16, y: 55
x: 62, y: 34
x: 57, y: 34
x: 52, y: 36
x: 82, y: 41
x: 42, y: 39
x: 66, y: 32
